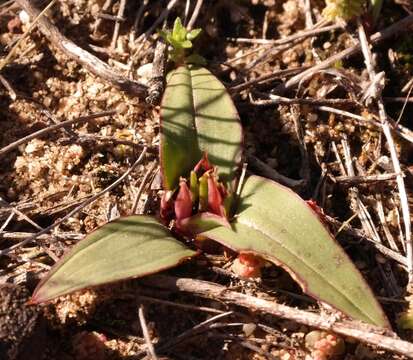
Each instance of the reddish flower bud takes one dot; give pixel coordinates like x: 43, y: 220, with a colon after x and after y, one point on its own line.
x: 183, y: 202
x: 203, y: 164
x: 166, y: 205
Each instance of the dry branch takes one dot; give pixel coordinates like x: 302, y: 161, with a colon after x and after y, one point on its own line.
x: 194, y: 15
x: 297, y: 36
x: 146, y: 335
x: 392, y: 30
x: 54, y: 127
x: 355, y: 180
x: 357, y: 330
x: 93, y: 64
x: 404, y: 203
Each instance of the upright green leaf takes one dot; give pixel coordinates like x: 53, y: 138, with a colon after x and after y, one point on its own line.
x: 179, y: 31
x: 275, y: 223
x: 128, y: 247
x: 198, y: 115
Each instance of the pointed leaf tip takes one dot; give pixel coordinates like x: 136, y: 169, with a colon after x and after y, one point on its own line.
x: 128, y: 247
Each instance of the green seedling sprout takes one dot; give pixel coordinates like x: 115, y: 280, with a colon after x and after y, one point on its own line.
x: 180, y: 42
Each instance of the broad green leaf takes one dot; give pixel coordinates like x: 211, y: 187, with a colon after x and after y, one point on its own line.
x: 198, y: 115
x: 128, y: 247
x: 275, y: 223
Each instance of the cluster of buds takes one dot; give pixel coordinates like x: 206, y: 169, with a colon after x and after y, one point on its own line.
x: 201, y: 193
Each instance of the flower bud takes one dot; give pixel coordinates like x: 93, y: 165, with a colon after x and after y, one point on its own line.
x: 203, y: 164
x: 183, y: 202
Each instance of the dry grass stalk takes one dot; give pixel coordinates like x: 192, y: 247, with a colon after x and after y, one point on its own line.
x: 83, y: 57
x: 354, y: 329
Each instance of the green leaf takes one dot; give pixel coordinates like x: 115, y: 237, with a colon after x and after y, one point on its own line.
x: 179, y: 31
x: 275, y: 223
x: 176, y: 45
x: 193, y: 34
x: 198, y: 115
x: 128, y: 247
x: 186, y: 44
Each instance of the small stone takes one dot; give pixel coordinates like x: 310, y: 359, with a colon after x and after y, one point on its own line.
x: 24, y: 17
x: 145, y: 72
x: 122, y: 108
x: 47, y: 101
x: 312, y: 117
x: 249, y: 329
x: 327, y: 45
x: 34, y: 146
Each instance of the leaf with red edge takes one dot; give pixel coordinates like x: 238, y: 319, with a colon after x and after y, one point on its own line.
x: 128, y: 247
x: 276, y: 224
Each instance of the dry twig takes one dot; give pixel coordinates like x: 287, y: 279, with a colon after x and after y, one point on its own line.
x: 298, y: 36
x: 194, y: 15
x: 121, y: 11
x: 393, y: 153
x: 37, y: 19
x: 141, y: 188
x: 357, y: 330
x: 93, y: 64
x: 51, y: 128
x: 145, y: 331
x: 106, y: 5
x: 392, y: 30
